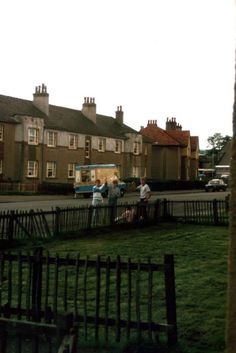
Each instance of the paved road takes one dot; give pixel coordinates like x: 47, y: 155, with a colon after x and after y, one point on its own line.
x: 47, y: 202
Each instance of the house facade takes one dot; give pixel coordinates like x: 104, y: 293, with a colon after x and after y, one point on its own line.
x: 175, y: 153
x: 41, y: 142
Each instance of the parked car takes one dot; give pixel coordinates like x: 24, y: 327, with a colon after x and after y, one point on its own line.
x: 216, y: 185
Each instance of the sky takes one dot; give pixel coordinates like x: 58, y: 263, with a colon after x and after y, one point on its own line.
x: 155, y: 58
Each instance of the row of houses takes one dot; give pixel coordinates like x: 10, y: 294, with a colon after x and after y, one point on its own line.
x: 41, y: 142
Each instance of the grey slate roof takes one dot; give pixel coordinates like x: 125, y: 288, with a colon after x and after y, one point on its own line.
x: 9, y: 107
x: 64, y: 119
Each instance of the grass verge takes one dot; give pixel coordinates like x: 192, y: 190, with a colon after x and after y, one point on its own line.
x: 200, y: 267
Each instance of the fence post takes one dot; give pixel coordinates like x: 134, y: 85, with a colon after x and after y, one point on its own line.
x: 3, y: 341
x: 37, y: 284
x: 57, y: 222
x: 11, y: 226
x: 157, y: 211
x: 90, y: 212
x: 170, y: 298
x: 64, y: 323
x: 164, y: 210
x: 215, y: 212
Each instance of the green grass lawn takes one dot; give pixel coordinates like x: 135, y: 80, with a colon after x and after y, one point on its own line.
x: 200, y: 267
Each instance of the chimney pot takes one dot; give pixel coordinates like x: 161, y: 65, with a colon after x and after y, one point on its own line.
x: 41, y: 99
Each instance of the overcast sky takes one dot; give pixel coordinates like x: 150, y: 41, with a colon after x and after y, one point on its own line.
x: 155, y: 58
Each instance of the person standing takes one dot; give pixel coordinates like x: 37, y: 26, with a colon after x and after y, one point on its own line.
x: 145, y: 194
x: 97, y: 200
x: 113, y: 195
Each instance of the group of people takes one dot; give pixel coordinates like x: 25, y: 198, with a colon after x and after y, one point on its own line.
x: 114, y: 193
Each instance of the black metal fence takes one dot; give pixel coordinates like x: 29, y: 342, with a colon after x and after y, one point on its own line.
x: 46, y: 224
x: 107, y: 299
x: 214, y: 212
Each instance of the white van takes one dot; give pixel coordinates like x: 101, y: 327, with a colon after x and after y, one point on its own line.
x: 85, y: 176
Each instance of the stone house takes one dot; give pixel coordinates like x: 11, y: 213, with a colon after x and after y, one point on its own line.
x: 175, y: 153
x: 40, y: 142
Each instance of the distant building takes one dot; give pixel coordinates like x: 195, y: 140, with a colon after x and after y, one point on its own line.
x: 223, y: 164
x: 175, y: 153
x: 41, y: 142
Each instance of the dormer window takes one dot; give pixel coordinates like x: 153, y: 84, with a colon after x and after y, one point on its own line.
x: 101, y: 145
x: 73, y: 141
x: 136, y: 148
x: 33, y: 136
x: 117, y: 146
x: 51, y: 139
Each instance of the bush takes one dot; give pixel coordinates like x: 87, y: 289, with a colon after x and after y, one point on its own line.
x: 56, y: 188
x: 162, y: 185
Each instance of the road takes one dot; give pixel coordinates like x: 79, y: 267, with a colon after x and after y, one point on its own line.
x: 47, y: 202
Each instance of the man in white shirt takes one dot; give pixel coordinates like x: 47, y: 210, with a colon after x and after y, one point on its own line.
x: 145, y: 194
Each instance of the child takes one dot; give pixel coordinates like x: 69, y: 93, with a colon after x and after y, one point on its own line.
x: 127, y: 216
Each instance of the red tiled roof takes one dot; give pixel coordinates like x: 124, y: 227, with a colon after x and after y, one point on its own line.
x: 179, y: 135
x: 158, y: 135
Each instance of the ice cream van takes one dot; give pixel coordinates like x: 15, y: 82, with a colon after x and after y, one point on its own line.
x: 85, y: 176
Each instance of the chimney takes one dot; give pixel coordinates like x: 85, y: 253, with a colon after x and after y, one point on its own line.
x: 171, y: 124
x: 119, y: 115
x: 152, y: 123
x: 89, y: 109
x: 178, y: 127
x: 41, y: 99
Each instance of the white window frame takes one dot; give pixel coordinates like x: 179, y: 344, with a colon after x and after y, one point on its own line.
x: 87, y: 148
x: 118, y: 146
x: 32, y: 169
x: 51, y: 138
x: 101, y: 145
x: 73, y: 142
x: 136, y: 148
x: 51, y: 168
x: 33, y: 136
x: 71, y: 170
x: 135, y: 172
x: 1, y: 132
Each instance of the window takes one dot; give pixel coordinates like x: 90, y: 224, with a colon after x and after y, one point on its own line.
x: 51, y: 139
x: 101, y: 145
x: 135, y: 172
x: 71, y: 170
x: 33, y: 136
x: 51, y: 170
x: 32, y: 169
x: 72, y: 142
x: 1, y: 166
x: 1, y: 132
x: 117, y: 146
x: 85, y: 175
x: 136, y: 148
x: 87, y: 148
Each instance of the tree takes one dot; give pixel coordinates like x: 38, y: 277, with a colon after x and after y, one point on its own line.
x: 231, y: 289
x: 217, y: 141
